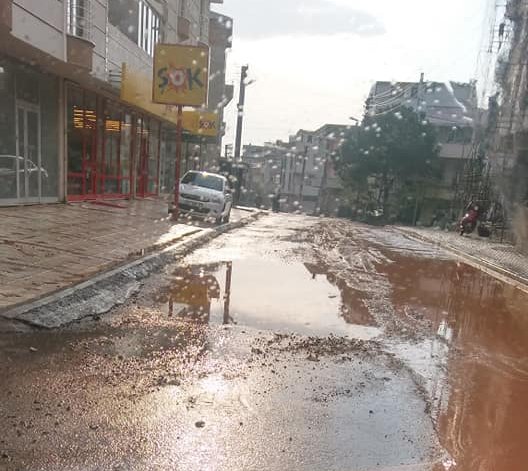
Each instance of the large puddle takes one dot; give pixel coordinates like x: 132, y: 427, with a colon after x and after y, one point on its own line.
x: 464, y: 333
x: 469, y: 342
x: 267, y: 294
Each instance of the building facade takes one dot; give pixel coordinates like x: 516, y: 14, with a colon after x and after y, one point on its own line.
x: 508, y: 149
x: 66, y: 133
x: 265, y: 165
x: 220, y: 93
x: 452, y: 108
x: 310, y: 183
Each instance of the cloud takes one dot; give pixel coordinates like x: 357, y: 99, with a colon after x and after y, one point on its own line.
x: 259, y: 19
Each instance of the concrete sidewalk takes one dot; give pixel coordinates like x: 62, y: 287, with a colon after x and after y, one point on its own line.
x: 47, y: 248
x: 502, y: 258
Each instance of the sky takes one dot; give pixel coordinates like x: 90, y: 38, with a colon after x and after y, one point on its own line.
x: 314, y: 61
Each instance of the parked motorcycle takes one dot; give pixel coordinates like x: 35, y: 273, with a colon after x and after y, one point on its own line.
x: 469, y: 222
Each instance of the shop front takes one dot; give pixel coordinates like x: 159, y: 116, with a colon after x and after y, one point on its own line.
x: 29, y: 153
x: 125, y: 147
x: 113, y: 150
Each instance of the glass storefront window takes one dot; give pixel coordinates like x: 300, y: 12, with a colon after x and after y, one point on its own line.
x: 111, y: 153
x: 8, y: 163
x: 28, y: 110
x: 75, y: 142
x: 27, y: 86
x: 147, y: 156
x: 153, y: 157
x: 168, y: 148
x: 49, y: 135
x: 139, y: 154
x: 126, y: 149
x: 98, y: 147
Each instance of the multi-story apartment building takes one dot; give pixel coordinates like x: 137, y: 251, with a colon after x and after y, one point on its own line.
x: 220, y: 93
x: 265, y: 170
x: 76, y: 119
x: 452, y: 109
x: 310, y: 183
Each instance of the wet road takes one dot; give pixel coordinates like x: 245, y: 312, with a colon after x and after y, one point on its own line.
x: 293, y: 343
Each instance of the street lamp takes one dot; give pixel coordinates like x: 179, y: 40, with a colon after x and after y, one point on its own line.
x: 354, y: 119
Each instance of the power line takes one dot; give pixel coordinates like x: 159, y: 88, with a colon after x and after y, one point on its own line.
x: 373, y: 115
x: 393, y: 98
x: 390, y: 92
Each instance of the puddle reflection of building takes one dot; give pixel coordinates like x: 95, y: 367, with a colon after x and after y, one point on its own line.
x: 193, y: 290
x: 483, y: 419
x: 352, y: 309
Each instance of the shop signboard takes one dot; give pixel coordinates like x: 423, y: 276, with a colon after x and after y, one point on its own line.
x: 181, y: 75
x: 201, y: 123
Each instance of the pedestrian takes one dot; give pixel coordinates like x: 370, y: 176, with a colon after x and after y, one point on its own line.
x: 276, y: 202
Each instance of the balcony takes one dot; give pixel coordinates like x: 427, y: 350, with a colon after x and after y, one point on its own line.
x: 6, y: 15
x: 79, y: 46
x: 184, y: 28
x: 80, y: 52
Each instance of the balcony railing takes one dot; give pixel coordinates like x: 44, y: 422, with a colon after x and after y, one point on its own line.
x: 184, y: 28
x: 80, y: 20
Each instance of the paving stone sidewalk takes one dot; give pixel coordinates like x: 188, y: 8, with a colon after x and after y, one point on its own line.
x: 500, y: 256
x: 45, y: 248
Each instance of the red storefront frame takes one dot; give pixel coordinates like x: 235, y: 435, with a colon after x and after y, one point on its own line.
x: 91, y: 132
x: 147, y: 143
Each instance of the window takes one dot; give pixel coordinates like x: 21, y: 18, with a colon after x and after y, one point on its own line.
x: 137, y: 20
x: 149, y: 27
x: 124, y: 14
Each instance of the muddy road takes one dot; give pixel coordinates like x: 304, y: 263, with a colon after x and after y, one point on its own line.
x: 290, y: 344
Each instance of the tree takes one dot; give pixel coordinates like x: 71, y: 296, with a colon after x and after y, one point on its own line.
x: 389, y: 156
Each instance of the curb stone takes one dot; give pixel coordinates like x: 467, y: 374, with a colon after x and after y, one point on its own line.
x: 109, y: 289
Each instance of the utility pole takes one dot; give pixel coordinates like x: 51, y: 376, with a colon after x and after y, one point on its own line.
x: 240, y: 108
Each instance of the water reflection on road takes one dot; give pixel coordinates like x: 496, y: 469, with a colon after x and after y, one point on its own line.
x: 464, y: 333
x: 478, y: 336
x: 269, y: 295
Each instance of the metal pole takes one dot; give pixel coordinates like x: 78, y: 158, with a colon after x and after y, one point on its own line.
x: 187, y: 155
x: 177, y: 163
x: 200, y: 161
x: 240, y: 117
